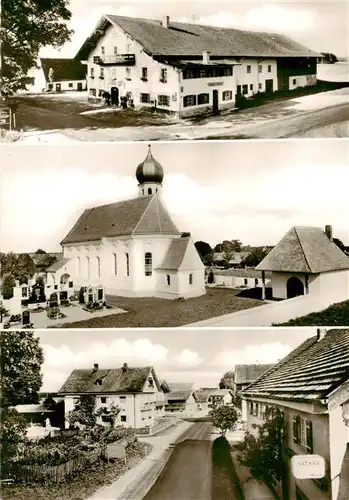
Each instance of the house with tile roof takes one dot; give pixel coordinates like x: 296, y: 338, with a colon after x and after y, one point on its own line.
x: 311, y: 388
x: 239, y: 278
x: 57, y: 75
x: 131, y: 247
x: 181, y: 398
x: 307, y: 261
x: 220, y: 397
x: 244, y: 375
x: 135, y: 390
x: 187, y: 68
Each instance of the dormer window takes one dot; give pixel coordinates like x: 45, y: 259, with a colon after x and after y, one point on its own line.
x: 151, y: 382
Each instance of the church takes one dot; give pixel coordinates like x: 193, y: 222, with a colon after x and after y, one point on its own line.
x: 131, y: 248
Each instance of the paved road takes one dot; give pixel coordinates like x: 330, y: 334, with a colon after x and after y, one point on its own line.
x: 187, y: 474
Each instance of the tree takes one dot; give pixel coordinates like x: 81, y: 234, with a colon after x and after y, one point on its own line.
x: 224, y: 418
x: 254, y: 258
x: 210, y: 277
x: 109, y: 414
x: 263, y: 454
x: 8, y: 283
x: 84, y: 412
x: 26, y: 27
x: 227, y: 381
x: 21, y: 360
x: 40, y: 251
x: 205, y: 252
x: 12, y: 434
x: 339, y: 244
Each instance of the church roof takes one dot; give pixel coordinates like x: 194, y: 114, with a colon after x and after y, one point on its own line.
x: 145, y: 215
x: 175, y: 255
x: 305, y: 250
x: 149, y: 170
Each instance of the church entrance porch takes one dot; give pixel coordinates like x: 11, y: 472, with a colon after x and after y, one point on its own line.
x: 295, y: 287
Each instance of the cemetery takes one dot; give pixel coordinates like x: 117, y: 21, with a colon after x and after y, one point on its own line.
x: 37, y: 304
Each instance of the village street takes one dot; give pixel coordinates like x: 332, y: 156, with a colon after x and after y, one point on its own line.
x: 325, y: 114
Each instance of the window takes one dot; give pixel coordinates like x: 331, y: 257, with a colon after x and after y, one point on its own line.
x: 115, y: 264
x: 269, y: 68
x: 93, y: 92
x: 128, y: 73
x: 123, y: 418
x: 151, y: 382
x: 145, y: 98
x: 103, y: 400
x: 296, y: 428
x: 245, y: 89
x: 228, y: 72
x: 245, y: 281
x: 70, y: 85
x: 163, y: 77
x: 203, y: 98
x: 251, y: 86
x: 148, y: 264
x: 70, y: 284
x: 103, y: 51
x: 55, y: 287
x: 294, y: 81
x: 260, y: 68
x: 238, y: 89
x: 260, y: 86
x: 122, y: 399
x: 88, y: 267
x: 150, y: 191
x: 98, y: 267
x: 307, y: 435
x: 256, y: 281
x: 24, y: 291
x: 191, y: 278
x: 145, y: 74
x: 78, y: 266
x: 92, y: 73
x: 101, y: 73
x: 227, y: 95
x: 115, y: 51
x: 202, y: 73
x: 127, y: 257
x: 248, y: 68
x: 168, y: 278
x: 163, y: 100
x: 189, y: 100
x: 50, y: 86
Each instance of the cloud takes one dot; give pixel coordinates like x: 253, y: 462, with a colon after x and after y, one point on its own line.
x: 259, y: 353
x: 188, y: 358
x: 272, y: 17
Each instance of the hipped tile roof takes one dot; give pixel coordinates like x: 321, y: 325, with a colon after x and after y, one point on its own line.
x: 309, y: 373
x: 305, y: 250
x: 185, y: 40
x: 145, y: 215
x: 84, y: 381
x: 175, y: 255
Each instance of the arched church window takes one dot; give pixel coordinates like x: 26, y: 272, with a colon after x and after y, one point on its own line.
x: 88, y: 267
x: 148, y: 263
x: 142, y: 191
x: 98, y: 267
x: 191, y: 279
x: 168, y: 278
x: 149, y: 191
x: 78, y: 266
x: 127, y: 256
x: 115, y: 264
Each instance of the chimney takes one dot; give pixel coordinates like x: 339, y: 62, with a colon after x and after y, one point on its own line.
x: 124, y: 368
x: 166, y: 22
x: 95, y: 367
x: 328, y: 232
x: 320, y: 333
x: 206, y: 57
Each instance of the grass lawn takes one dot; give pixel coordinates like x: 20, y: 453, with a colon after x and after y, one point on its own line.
x: 335, y: 315
x: 152, y: 312
x: 79, y: 486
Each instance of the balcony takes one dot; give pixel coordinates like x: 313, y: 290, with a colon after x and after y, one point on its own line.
x: 116, y: 60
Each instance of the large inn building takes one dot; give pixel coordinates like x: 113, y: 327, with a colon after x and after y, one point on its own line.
x: 187, y: 68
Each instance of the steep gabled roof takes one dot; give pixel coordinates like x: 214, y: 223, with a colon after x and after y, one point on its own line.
x: 305, y: 250
x: 309, y: 373
x: 63, y: 69
x: 145, y: 215
x: 179, y: 395
x: 185, y: 40
x: 113, y: 380
x: 245, y: 374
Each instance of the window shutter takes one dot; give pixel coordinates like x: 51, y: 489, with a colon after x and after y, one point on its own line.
x: 309, y: 434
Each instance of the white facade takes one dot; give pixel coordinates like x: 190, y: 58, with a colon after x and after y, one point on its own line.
x: 256, y: 75
x: 37, y: 83
x: 64, y: 86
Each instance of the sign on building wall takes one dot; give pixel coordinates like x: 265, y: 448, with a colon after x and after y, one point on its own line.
x: 214, y: 84
x: 308, y: 466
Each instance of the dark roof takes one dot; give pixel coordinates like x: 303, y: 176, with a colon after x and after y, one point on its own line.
x: 63, y: 69
x: 239, y: 273
x: 310, y: 372
x: 202, y: 395
x: 113, y: 380
x: 145, y: 215
x: 245, y: 374
x: 57, y: 265
x: 185, y: 40
x: 178, y: 395
x: 175, y: 255
x: 305, y: 250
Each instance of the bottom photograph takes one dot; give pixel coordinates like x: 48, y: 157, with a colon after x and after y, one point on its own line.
x: 175, y: 414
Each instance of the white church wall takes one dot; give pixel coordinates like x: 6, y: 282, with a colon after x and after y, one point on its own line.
x: 279, y: 283
x: 334, y: 285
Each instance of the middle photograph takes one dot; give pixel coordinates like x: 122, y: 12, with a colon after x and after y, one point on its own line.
x: 226, y: 234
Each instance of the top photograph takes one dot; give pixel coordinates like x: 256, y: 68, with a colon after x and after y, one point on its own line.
x: 105, y: 70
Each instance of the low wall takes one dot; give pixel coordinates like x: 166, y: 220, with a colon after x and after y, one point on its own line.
x: 160, y: 426
x: 270, y: 313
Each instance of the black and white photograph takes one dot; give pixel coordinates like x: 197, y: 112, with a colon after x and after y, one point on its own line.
x: 105, y: 70
x: 209, y: 234
x: 229, y: 414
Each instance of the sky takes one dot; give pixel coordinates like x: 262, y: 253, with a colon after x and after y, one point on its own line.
x: 200, y: 357
x: 254, y: 191
x: 320, y: 25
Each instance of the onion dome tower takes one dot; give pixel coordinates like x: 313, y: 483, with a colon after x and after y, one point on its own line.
x: 150, y: 175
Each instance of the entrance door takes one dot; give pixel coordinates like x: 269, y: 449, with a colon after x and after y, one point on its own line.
x: 79, y: 86
x: 58, y: 87
x: 294, y: 287
x: 215, y: 101
x: 269, y: 85
x: 114, y: 92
